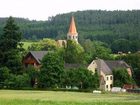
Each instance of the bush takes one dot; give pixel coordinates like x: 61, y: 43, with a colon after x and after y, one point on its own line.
x: 17, y: 81
x: 4, y: 74
x: 81, y: 78
x: 121, y: 77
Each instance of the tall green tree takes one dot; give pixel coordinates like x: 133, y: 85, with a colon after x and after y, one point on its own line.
x: 134, y: 61
x: 10, y: 46
x: 51, y: 71
x: 95, y: 49
x: 74, y: 52
x: 121, y: 77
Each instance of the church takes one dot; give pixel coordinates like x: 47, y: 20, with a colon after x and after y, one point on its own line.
x: 71, y: 35
x: 34, y: 57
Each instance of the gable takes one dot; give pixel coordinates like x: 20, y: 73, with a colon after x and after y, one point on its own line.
x: 34, y: 56
x: 29, y: 59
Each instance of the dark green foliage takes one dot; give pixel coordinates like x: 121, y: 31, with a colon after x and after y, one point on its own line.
x: 122, y: 45
x: 74, y: 52
x: 10, y: 46
x: 4, y: 74
x: 134, y: 61
x: 121, y: 77
x: 11, y: 36
x: 81, y: 78
x: 105, y: 26
x: 17, y: 81
x: 95, y: 49
x: 51, y: 71
x: 33, y: 75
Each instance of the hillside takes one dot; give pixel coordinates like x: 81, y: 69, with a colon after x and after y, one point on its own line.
x: 116, y: 28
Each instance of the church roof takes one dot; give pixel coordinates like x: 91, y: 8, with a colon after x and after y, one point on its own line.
x: 72, y: 28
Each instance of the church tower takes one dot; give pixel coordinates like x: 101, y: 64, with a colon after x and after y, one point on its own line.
x: 72, y: 33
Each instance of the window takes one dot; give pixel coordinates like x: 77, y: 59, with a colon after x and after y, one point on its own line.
x: 106, y: 86
x: 110, y: 77
x: 110, y: 85
x: 107, y: 78
x: 95, y: 70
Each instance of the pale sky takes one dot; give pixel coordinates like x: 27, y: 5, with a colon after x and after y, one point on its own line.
x: 42, y: 9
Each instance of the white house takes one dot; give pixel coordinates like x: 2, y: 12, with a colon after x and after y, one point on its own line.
x: 104, y: 69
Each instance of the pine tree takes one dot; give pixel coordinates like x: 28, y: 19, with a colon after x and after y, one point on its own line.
x: 10, y: 46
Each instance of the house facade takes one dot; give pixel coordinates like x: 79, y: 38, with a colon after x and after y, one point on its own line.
x: 104, y: 69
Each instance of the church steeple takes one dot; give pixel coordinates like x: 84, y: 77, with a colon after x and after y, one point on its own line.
x: 72, y: 33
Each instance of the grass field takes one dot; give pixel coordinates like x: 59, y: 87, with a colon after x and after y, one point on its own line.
x: 15, y: 97
x: 27, y: 44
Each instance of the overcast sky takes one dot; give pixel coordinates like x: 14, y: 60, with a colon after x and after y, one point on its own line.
x: 42, y: 9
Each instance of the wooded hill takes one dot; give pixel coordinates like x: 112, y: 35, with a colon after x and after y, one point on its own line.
x: 119, y: 29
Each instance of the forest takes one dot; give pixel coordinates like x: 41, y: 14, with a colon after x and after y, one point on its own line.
x: 118, y: 29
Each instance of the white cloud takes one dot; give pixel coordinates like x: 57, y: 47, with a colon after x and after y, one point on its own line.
x: 41, y: 9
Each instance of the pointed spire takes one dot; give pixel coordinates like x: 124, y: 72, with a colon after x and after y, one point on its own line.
x: 72, y: 28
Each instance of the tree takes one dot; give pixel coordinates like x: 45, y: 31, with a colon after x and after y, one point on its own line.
x: 74, y: 53
x: 81, y: 78
x: 95, y: 49
x: 33, y: 75
x: 121, y: 45
x: 10, y: 46
x: 51, y: 71
x: 45, y: 44
x: 89, y: 50
x: 134, y: 61
x: 101, y: 50
x: 121, y: 77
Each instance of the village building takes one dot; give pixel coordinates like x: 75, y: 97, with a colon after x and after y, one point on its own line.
x: 34, y: 58
x: 104, y: 68
x: 71, y: 35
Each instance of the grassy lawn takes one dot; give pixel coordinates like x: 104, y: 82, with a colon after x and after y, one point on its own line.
x: 27, y: 44
x: 19, y: 97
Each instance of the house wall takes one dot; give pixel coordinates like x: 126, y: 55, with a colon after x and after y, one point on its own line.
x: 102, y: 80
x: 108, y: 82
x: 92, y: 67
x: 129, y: 72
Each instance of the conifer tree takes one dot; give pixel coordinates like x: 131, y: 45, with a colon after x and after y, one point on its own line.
x: 10, y: 46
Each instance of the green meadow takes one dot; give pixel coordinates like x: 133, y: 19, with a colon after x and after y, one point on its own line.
x: 24, y: 97
x: 27, y: 44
